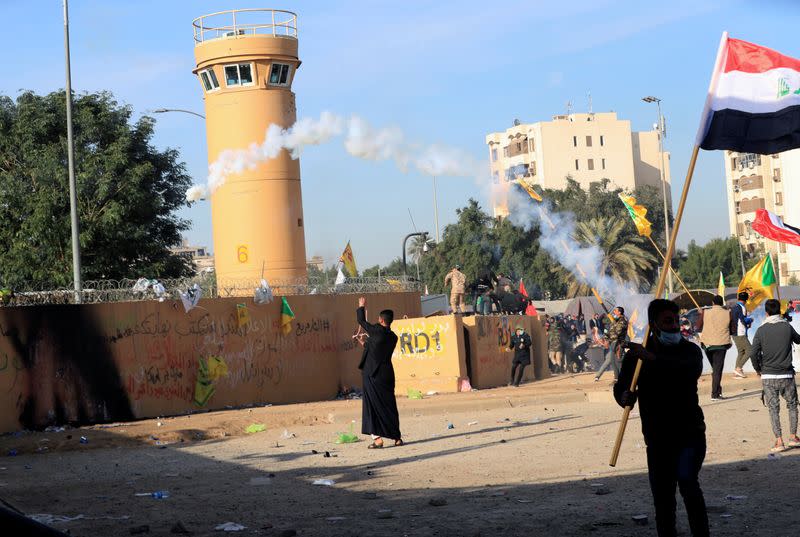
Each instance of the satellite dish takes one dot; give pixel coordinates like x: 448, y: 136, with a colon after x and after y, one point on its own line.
x: 517, y: 122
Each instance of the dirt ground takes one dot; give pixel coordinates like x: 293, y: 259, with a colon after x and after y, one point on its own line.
x: 526, y: 461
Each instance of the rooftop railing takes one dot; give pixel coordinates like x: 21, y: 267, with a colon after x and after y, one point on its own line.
x: 243, y: 23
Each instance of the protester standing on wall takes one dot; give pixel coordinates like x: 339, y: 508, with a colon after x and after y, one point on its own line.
x: 458, y: 282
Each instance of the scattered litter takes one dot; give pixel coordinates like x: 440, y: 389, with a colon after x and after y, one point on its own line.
x: 521, y: 500
x: 84, y: 440
x: 54, y: 429
x: 414, y: 394
x: 49, y: 520
x: 179, y: 528
x: 286, y: 434
x: 172, y: 475
x: 432, y: 392
x: 451, y: 426
x: 347, y: 438
x: 136, y: 530
x: 258, y: 481
x: 385, y: 513
x: 725, y: 515
x: 602, y: 491
x: 336, y: 518
x: 254, y: 428
x: 502, y: 440
x: 349, y: 393
x: 158, y: 495
x: 328, y: 455
x: 437, y: 502
x: 324, y: 482
x: 307, y: 443
x: 732, y: 497
x: 641, y: 520
x: 472, y: 423
x: 230, y: 526
x: 159, y: 424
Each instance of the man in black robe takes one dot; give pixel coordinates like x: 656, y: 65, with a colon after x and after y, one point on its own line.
x: 672, y: 421
x: 379, y: 406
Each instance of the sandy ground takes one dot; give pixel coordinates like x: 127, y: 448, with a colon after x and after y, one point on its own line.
x: 525, y: 461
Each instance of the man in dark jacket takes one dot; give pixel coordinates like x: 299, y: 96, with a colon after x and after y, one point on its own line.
x: 617, y: 333
x: 672, y: 421
x: 771, y: 355
x: 379, y: 407
x: 521, y: 343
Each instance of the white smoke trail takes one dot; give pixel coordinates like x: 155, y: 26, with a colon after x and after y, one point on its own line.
x: 361, y: 140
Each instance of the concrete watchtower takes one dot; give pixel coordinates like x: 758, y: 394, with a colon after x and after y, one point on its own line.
x: 246, y: 60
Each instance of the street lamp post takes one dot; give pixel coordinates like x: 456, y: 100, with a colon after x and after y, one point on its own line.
x: 424, y: 235
x: 651, y: 99
x: 73, y: 195
x: 164, y: 110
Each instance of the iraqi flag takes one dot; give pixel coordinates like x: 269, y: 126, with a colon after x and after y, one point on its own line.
x: 753, y: 103
x: 771, y: 226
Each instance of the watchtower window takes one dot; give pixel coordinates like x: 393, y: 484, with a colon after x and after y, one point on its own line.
x: 279, y: 75
x: 239, y: 75
x: 209, y: 80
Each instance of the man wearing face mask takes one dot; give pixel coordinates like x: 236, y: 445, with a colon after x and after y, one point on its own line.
x: 521, y: 343
x: 672, y: 421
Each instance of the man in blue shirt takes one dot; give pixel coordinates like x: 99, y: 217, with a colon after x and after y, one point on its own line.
x: 742, y: 323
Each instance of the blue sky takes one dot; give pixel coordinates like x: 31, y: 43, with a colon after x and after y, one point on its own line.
x: 444, y: 72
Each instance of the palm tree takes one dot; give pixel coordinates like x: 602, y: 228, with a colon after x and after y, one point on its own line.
x: 623, y: 257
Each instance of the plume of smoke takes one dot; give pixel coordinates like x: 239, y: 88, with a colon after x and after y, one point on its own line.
x: 361, y: 140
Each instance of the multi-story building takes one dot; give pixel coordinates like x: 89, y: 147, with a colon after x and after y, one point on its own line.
x: 770, y: 182
x: 586, y: 147
x: 198, y: 255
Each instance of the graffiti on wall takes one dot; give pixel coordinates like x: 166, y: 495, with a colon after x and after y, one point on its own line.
x: 421, y: 339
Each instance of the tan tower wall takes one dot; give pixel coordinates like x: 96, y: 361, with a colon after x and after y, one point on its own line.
x: 257, y: 215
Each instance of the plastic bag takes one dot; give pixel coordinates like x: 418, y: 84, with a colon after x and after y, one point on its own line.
x: 414, y: 394
x: 347, y: 438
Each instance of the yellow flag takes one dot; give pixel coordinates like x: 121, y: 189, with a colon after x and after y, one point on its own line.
x: 721, y: 286
x: 638, y: 214
x: 349, y: 261
x: 758, y: 283
x: 529, y: 189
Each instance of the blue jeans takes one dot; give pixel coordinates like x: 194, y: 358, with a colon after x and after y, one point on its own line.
x: 670, y: 465
x: 611, y: 361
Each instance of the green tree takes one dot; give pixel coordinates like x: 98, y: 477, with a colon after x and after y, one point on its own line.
x: 700, y: 266
x: 128, y: 192
x: 624, y: 258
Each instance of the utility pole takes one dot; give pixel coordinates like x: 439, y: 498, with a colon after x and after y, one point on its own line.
x: 660, y: 127
x: 73, y: 196
x: 435, y: 211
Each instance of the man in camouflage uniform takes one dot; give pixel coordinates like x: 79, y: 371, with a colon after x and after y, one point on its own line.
x: 617, y: 333
x: 458, y: 282
x: 555, y: 349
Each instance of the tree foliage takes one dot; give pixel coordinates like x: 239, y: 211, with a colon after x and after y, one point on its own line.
x: 127, y: 191
x: 700, y: 266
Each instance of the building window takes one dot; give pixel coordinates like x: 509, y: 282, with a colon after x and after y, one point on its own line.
x: 603, y: 162
x: 782, y: 249
x: 494, y: 154
x: 209, y: 79
x: 778, y: 198
x: 602, y: 141
x: 531, y: 145
x: 776, y: 175
x: 279, y: 75
x: 749, y: 160
x: 240, y: 74
x: 588, y: 141
x: 576, y: 165
x: 591, y: 164
x: 733, y: 163
x: 533, y: 168
x: 574, y: 141
x: 519, y: 147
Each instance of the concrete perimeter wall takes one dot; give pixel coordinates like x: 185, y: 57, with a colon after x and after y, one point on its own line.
x: 120, y: 361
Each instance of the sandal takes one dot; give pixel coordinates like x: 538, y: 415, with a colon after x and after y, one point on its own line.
x: 375, y: 445
x: 793, y: 442
x: 399, y: 442
x: 778, y: 448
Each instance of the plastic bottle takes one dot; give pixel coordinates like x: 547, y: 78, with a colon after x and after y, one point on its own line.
x: 160, y: 494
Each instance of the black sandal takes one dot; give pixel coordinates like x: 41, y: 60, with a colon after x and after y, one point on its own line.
x: 399, y: 442
x: 375, y: 445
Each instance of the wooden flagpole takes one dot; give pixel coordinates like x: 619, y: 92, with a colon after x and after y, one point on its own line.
x: 662, y: 278
x: 680, y: 281
x: 701, y: 131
